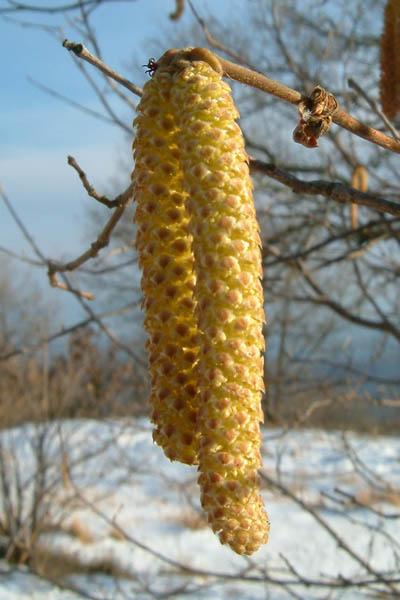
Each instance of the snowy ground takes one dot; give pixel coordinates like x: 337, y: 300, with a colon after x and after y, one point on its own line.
x: 114, y: 505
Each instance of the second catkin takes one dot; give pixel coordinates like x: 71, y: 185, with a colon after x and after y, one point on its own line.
x: 229, y: 303
x: 165, y: 254
x: 199, y: 248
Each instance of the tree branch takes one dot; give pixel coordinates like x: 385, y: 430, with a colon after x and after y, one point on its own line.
x: 14, y: 6
x: 66, y: 285
x: 334, y: 191
x: 64, y: 331
x: 82, y: 52
x: 118, y: 201
x: 340, y: 117
x: 102, y: 240
x: 257, y: 80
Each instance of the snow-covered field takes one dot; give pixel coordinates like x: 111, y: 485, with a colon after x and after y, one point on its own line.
x: 115, y: 506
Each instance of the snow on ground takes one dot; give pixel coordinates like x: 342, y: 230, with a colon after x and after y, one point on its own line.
x: 114, y: 503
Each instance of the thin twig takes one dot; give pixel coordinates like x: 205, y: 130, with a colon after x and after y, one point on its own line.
x: 375, y: 107
x: 91, y: 36
x: 257, y: 80
x: 29, y: 261
x: 101, y: 241
x: 333, y: 534
x: 178, y: 12
x: 264, y: 577
x: 118, y: 201
x: 82, y: 52
x: 117, y: 343
x: 332, y: 190
x: 71, y: 102
x: 340, y: 117
x: 65, y: 331
x: 15, y: 7
x: 66, y: 285
x: 371, y: 230
x: 214, y: 43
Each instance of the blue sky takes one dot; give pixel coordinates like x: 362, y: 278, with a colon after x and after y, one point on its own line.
x: 38, y: 131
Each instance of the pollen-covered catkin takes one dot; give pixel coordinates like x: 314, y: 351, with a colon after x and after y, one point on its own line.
x: 165, y: 256
x: 229, y: 307
x: 390, y: 60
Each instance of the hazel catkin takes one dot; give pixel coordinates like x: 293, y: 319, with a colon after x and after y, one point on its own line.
x: 229, y: 304
x: 390, y: 60
x: 199, y: 248
x: 166, y: 259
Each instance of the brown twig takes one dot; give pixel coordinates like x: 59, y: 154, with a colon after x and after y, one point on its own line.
x: 332, y: 190
x: 64, y: 331
x: 178, y: 12
x: 90, y: 189
x: 213, y: 41
x: 375, y: 107
x: 66, y: 285
x: 332, y: 533
x: 340, y: 117
x: 77, y: 105
x: 91, y: 37
x: 257, y: 80
x: 102, y: 239
x: 13, y: 6
x: 242, y: 575
x: 373, y: 230
x: 82, y: 52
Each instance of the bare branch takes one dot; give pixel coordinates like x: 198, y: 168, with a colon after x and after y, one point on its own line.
x: 103, y: 238
x: 322, y: 298
x: 15, y: 7
x: 334, y: 535
x: 178, y: 12
x: 71, y: 102
x: 334, y: 191
x: 375, y: 107
x: 67, y: 287
x: 212, y: 40
x: 118, y: 201
x: 117, y: 343
x: 372, y: 230
x: 82, y: 52
x: 64, y: 331
x: 257, y: 80
x: 340, y: 117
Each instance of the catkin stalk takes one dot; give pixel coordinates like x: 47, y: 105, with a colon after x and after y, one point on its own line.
x: 165, y: 256
x: 229, y: 303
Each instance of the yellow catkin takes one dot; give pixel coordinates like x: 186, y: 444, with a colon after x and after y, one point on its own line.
x: 390, y: 60
x: 359, y: 181
x: 165, y: 256
x: 229, y: 300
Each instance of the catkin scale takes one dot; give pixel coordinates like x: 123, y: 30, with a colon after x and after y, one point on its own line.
x: 166, y: 259
x: 229, y: 303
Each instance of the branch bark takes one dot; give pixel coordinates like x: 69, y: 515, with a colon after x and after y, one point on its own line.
x: 254, y: 79
x: 332, y: 190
